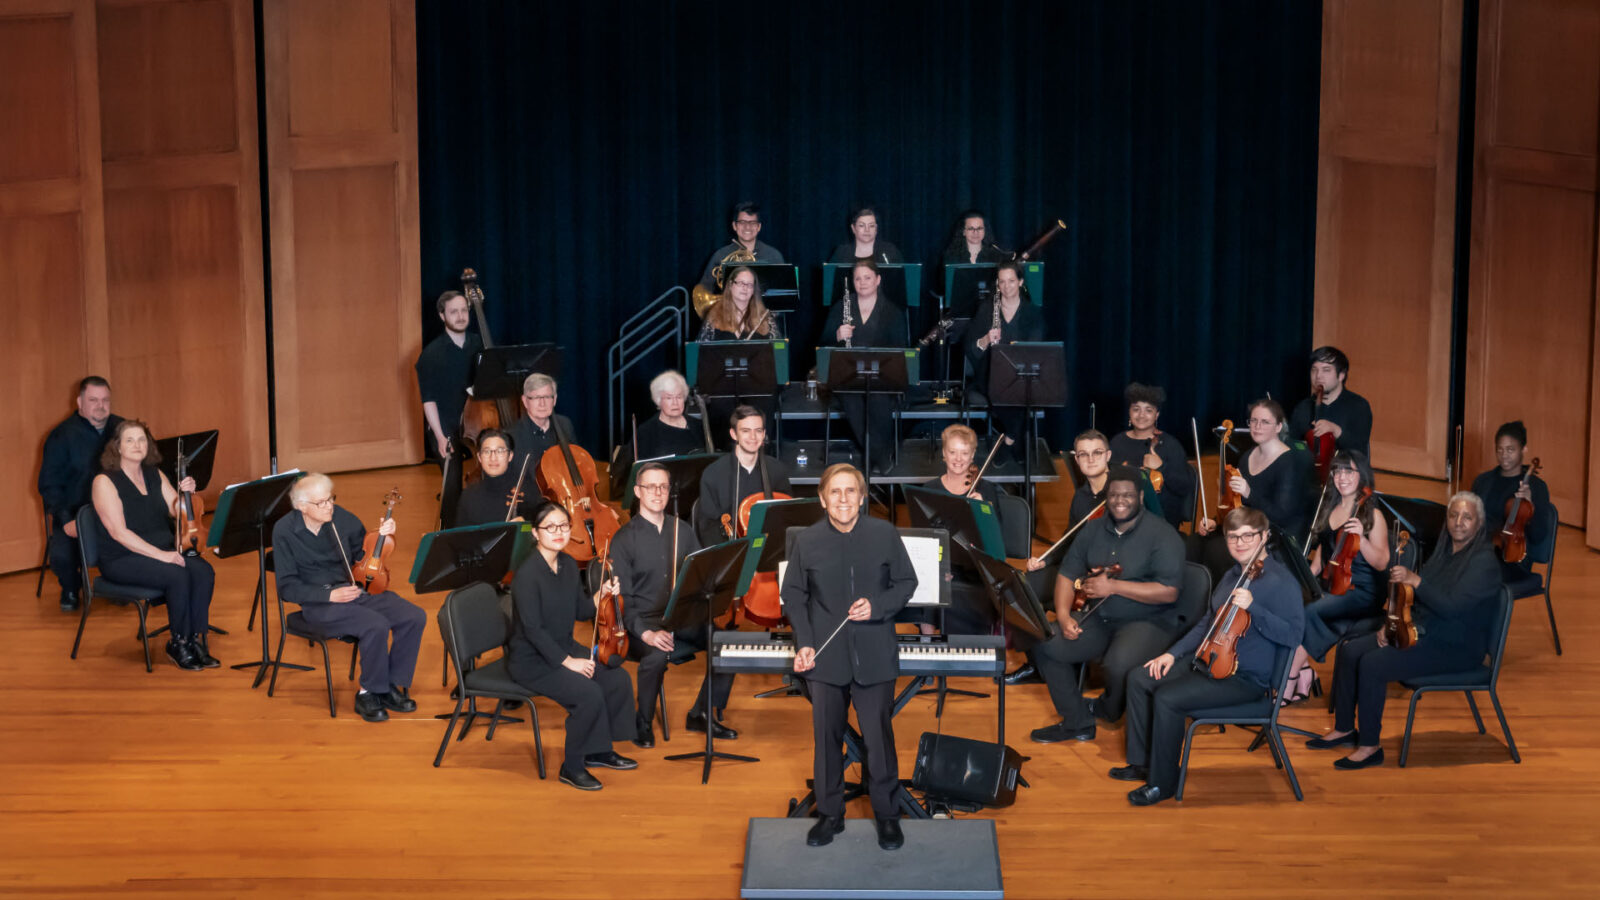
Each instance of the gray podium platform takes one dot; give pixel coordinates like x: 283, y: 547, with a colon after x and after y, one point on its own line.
x: 942, y: 858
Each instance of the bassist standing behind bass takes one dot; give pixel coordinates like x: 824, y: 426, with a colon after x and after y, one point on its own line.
x: 1343, y: 414
x: 1501, y: 485
x: 444, y: 371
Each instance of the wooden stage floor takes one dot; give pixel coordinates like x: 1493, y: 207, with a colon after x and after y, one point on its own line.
x: 176, y: 784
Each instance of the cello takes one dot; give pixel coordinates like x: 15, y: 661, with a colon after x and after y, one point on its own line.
x: 1320, y: 445
x: 566, y: 476
x: 1338, y: 572
x: 760, y: 604
x: 372, y: 573
x: 480, y: 415
x: 1218, y: 655
x: 1399, y: 629
x: 1512, y: 538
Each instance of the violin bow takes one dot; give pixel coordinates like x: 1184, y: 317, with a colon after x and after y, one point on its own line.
x: 516, y: 489
x: 1073, y: 530
x: 999, y: 439
x: 1199, y: 467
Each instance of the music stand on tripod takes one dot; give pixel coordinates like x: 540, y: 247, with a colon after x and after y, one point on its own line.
x: 243, y: 523
x: 683, y: 479
x: 1014, y: 603
x: 1032, y: 376
x: 500, y: 371
x: 867, y: 371
x: 704, y: 591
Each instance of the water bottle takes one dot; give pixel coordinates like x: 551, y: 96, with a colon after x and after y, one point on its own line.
x: 800, y: 458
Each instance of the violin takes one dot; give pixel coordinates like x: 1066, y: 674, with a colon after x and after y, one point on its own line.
x: 609, y: 645
x: 1227, y: 498
x: 1156, y: 478
x: 188, y: 511
x: 1080, y: 599
x: 566, y: 475
x: 1512, y: 539
x: 1320, y: 445
x: 1338, y: 572
x: 1218, y: 655
x: 1398, y: 627
x: 372, y: 573
x: 760, y: 604
x: 481, y: 415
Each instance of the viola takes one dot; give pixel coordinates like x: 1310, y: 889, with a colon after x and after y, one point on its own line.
x: 1080, y: 599
x: 1399, y: 629
x: 1339, y: 570
x: 1218, y: 655
x: 1227, y: 498
x: 1156, y: 478
x: 1512, y: 538
x: 1320, y: 445
x: 566, y: 476
x: 372, y: 573
x: 609, y: 645
x: 479, y: 416
x: 188, y: 511
x: 760, y: 604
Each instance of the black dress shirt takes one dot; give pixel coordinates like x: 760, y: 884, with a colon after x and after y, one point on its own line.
x: 1351, y: 412
x: 528, y: 439
x: 71, y: 460
x: 1495, y: 489
x: 723, y: 486
x: 641, y: 559
x: 444, y: 372
x: 1149, y: 551
x: 828, y: 571
x: 656, y: 438
x: 309, y: 565
x: 1026, y: 325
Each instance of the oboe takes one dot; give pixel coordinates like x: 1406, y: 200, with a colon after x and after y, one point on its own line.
x: 847, y: 320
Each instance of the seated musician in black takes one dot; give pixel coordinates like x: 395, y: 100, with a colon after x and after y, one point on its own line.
x: 539, y: 430
x: 739, y: 315
x: 1129, y: 616
x: 138, y: 544
x: 970, y: 611
x: 547, y: 602
x: 444, y: 371
x: 1343, y: 413
x: 848, y: 575
x: 70, y: 462
x: 864, y: 243
x: 1273, y: 477
x: 875, y: 322
x: 645, y: 555
x: 1454, y: 611
x: 1161, y: 455
x: 1498, y: 485
x: 972, y: 244
x: 1019, y: 320
x: 669, y: 432
x: 488, y: 499
x: 725, y: 483
x: 1163, y: 691
x: 313, y: 550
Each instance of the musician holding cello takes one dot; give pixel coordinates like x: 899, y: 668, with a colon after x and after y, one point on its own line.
x: 489, y: 499
x: 1160, y: 455
x: 542, y: 427
x: 444, y: 370
x: 1163, y: 691
x: 1455, y: 594
x: 1508, y: 482
x: 747, y: 470
x: 547, y: 602
x: 1340, y: 413
x: 314, y: 550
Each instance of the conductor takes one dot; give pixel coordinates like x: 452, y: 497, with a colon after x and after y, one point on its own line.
x: 848, y: 576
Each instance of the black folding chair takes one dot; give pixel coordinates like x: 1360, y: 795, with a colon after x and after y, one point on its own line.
x: 1532, y: 584
x: 1016, y: 526
x: 1483, y: 678
x: 140, y: 598
x: 1261, y: 713
x: 295, y: 625
x: 471, y: 623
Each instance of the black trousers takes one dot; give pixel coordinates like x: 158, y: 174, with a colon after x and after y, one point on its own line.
x: 599, y: 709
x: 1120, y: 648
x: 1158, y: 713
x: 876, y: 418
x: 188, y: 587
x: 371, y: 619
x: 1346, y: 611
x: 653, y: 667
x: 830, y: 707
x: 63, y: 551
x: 1362, y: 671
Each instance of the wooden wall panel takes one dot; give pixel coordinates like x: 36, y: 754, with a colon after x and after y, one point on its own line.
x: 1385, y: 215
x: 52, y: 260
x: 346, y: 251
x: 1531, y: 309
x: 169, y: 77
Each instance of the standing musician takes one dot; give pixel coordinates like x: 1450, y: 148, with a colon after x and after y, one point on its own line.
x: 970, y: 611
x: 1015, y: 321
x: 875, y: 322
x: 1349, y: 477
x: 70, y: 463
x: 1498, y: 485
x: 313, y: 550
x: 1454, y: 610
x: 488, y: 499
x: 547, y: 602
x: 972, y: 243
x: 1130, y: 615
x: 740, y: 315
x: 746, y: 226
x: 1273, y: 476
x: 864, y: 243
x: 1163, y: 692
x: 444, y: 370
x: 138, y: 545
x: 725, y: 483
x: 1143, y: 446
x: 1343, y: 413
x: 669, y: 432
x: 646, y: 555
x: 536, y: 432
x: 848, y: 576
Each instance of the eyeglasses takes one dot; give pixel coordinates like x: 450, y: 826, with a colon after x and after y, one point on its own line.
x: 748, y: 284
x: 973, y: 228
x: 1090, y: 454
x: 653, y: 488
x: 542, y: 398
x: 1266, y: 423
x: 494, y: 451
x: 563, y: 528
x: 325, y: 502
x: 1243, y: 537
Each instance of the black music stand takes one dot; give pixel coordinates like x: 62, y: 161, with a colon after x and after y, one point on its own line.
x: 683, y: 479
x: 1014, y: 603
x: 867, y: 371
x: 1032, y: 376
x: 736, y: 369
x: 929, y: 508
x: 243, y: 523
x: 1425, y: 519
x: 201, y: 450
x: 779, y: 281
x: 706, y: 581
x: 770, y: 522
x: 500, y: 371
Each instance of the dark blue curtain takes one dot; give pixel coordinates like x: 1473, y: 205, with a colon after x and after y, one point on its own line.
x: 583, y: 158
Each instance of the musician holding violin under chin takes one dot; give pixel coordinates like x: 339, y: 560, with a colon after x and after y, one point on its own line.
x: 1127, y: 616
x: 1163, y: 691
x: 1342, y: 413
x: 488, y: 499
x: 313, y: 550
x: 1499, y: 485
x: 1160, y: 455
x: 1016, y: 320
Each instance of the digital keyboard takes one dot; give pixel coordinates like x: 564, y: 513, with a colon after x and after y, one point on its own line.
x: 981, y: 655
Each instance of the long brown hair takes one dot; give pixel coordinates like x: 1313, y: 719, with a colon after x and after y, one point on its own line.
x: 111, y: 456
x: 756, y: 319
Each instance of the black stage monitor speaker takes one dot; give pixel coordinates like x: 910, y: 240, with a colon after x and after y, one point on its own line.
x: 966, y: 771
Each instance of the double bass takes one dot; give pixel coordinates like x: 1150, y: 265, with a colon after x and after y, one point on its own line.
x: 567, y: 476
x: 479, y: 416
x: 1512, y: 538
x: 1399, y: 629
x: 1338, y: 571
x: 760, y: 604
x: 1320, y: 445
x: 1218, y: 655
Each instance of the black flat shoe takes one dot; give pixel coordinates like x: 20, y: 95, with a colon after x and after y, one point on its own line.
x: 645, y: 738
x: 1375, y: 759
x: 821, y: 834
x: 397, y: 701
x: 890, y: 837
x: 1055, y: 734
x: 1130, y: 773
x: 202, y: 653
x: 1148, y: 795
x: 583, y: 781
x: 370, y: 707
x: 69, y: 601
x: 610, y: 760
x: 718, y: 730
x: 183, y: 656
x: 1348, y: 740
x: 1026, y: 673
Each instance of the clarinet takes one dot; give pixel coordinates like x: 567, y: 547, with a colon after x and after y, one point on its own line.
x: 847, y: 319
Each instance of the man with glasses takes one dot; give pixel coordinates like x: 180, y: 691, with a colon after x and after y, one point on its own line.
x: 646, y: 554
x: 488, y: 499
x: 313, y: 550
x: 541, y: 428
x: 746, y: 226
x: 1129, y: 614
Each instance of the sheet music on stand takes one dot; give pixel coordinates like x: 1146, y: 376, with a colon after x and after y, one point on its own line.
x: 929, y: 550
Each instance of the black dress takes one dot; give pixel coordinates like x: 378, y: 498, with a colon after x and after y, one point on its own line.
x: 1178, y: 480
x: 188, y: 587
x: 1026, y: 325
x: 886, y: 327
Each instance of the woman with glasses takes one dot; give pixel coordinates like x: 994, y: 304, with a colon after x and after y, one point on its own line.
x: 740, y: 315
x: 1273, y: 476
x: 548, y: 600
x: 489, y: 498
x: 972, y: 244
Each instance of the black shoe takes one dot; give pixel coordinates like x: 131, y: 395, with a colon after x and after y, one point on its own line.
x: 581, y: 780
x: 69, y: 601
x: 370, y: 707
x: 203, y: 654
x: 697, y: 722
x: 1130, y: 773
x: 1096, y: 706
x: 890, y: 837
x: 1348, y: 740
x: 182, y: 654
x: 1061, y: 731
x: 610, y: 760
x: 1148, y: 795
x: 1026, y: 673
x: 822, y: 833
x: 1375, y: 759
x: 397, y: 701
x: 646, y: 737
